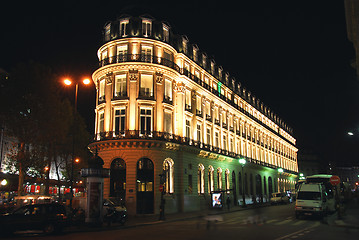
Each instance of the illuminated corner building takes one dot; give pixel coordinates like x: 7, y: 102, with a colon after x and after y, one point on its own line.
x: 165, y: 107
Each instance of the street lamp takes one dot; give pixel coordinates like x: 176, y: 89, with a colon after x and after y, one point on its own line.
x: 4, y: 182
x: 243, y: 161
x: 69, y: 82
x: 280, y: 170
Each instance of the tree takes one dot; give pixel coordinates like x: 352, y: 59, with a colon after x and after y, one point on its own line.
x: 41, y: 120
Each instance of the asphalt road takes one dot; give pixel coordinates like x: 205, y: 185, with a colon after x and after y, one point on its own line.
x: 269, y: 223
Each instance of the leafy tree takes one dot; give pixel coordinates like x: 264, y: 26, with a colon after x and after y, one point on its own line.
x: 44, y: 123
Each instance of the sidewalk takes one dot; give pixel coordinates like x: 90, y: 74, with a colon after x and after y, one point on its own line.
x: 143, y: 220
x: 348, y: 218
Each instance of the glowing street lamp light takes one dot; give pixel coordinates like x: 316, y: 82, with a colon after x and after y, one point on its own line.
x: 280, y: 170
x: 242, y: 161
x: 4, y: 182
x: 350, y: 133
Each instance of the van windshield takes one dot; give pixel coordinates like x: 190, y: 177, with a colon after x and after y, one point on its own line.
x: 302, y: 195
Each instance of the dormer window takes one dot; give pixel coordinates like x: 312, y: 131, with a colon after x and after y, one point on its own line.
x: 184, y: 44
x: 146, y: 28
x: 195, y: 53
x: 107, y: 32
x: 124, y: 28
x: 204, y: 60
x: 166, y: 33
x: 212, y: 67
x: 220, y: 73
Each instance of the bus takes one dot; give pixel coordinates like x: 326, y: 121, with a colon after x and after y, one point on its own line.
x: 333, y: 193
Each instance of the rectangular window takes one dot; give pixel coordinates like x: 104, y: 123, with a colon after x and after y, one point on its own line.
x: 168, y: 90
x: 224, y: 142
x: 120, y: 120
x: 121, y: 53
x: 188, y: 129
x: 101, y: 122
x: 146, y: 28
x: 199, y: 133
x: 197, y: 74
x: 188, y: 100
x: 123, y: 28
x: 231, y: 145
x: 166, y: 33
x: 146, y: 53
x: 101, y: 91
x: 209, y: 136
x: 168, y: 56
x: 216, y: 139
x: 146, y: 85
x: 199, y: 105
x: 168, y: 122
x: 145, y: 121
x: 120, y: 85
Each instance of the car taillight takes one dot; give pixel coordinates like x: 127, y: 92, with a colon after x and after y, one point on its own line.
x: 61, y: 216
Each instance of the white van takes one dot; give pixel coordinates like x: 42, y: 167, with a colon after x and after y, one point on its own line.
x: 311, y: 200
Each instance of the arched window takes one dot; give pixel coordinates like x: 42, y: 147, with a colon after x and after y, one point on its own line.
x: 219, y: 178
x: 270, y: 186
x: 118, y: 179
x: 169, y: 174
x: 210, y: 179
x: 226, y: 178
x: 200, y: 179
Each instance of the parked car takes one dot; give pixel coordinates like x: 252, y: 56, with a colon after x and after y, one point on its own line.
x: 279, y: 197
x: 48, y: 217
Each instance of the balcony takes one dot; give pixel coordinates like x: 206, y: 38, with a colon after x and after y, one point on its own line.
x: 120, y: 95
x: 216, y: 121
x: 208, y: 117
x: 168, y: 99
x: 188, y: 108
x: 101, y: 99
x: 199, y: 113
x: 146, y: 93
x: 224, y: 125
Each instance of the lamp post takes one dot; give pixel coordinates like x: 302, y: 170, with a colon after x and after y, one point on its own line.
x: 243, y: 161
x: 280, y: 170
x: 69, y: 82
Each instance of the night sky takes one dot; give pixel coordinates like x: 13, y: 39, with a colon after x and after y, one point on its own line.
x: 293, y: 55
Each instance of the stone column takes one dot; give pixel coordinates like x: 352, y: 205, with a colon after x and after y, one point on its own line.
x: 132, y: 93
x: 159, y: 90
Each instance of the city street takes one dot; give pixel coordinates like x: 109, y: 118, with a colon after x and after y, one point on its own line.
x: 273, y: 222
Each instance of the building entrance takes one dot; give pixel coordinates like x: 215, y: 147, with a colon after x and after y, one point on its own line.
x: 118, y: 179
x: 145, y: 177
